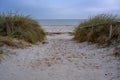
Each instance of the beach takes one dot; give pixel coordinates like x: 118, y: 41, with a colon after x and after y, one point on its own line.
x: 59, y: 57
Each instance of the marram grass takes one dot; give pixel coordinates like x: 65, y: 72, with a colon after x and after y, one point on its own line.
x: 20, y: 27
x: 100, y: 33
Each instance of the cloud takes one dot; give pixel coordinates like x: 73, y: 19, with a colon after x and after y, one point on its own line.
x: 62, y: 8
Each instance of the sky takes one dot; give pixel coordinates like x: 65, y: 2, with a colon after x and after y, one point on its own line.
x: 61, y: 9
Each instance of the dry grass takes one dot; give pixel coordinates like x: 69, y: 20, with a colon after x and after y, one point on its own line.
x: 18, y: 31
x: 117, y: 54
x: 98, y: 34
x: 1, y: 55
x: 20, y: 27
x: 10, y: 42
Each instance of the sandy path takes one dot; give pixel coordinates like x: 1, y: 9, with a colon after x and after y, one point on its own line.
x: 60, y: 59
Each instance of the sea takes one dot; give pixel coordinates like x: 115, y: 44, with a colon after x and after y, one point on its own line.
x: 60, y: 22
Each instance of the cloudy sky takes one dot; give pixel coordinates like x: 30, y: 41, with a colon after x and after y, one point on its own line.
x: 61, y: 9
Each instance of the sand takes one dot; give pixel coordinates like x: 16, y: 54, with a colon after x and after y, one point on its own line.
x: 60, y: 58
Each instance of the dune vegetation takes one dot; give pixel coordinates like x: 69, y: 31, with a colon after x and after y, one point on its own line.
x: 97, y: 30
x: 19, y: 27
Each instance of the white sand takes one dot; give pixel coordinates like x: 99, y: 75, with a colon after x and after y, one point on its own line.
x: 59, y: 28
x: 60, y: 59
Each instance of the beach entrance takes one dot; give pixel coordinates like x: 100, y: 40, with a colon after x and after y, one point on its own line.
x: 60, y: 58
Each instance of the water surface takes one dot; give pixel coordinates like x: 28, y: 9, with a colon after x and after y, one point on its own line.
x: 46, y: 22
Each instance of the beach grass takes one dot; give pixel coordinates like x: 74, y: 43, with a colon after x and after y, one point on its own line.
x: 100, y: 33
x: 1, y: 55
x: 11, y: 42
x: 19, y: 27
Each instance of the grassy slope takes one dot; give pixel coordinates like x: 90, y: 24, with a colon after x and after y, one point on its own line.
x: 98, y: 34
x: 19, y: 27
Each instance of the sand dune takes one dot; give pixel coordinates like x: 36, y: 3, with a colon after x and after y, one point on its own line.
x: 60, y: 58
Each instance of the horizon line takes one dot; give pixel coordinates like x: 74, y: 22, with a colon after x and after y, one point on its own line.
x: 56, y: 19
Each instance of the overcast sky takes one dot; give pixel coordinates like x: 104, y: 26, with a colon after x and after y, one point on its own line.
x: 61, y: 9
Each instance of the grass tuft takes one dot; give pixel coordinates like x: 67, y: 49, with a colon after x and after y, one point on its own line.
x: 11, y: 42
x: 100, y: 33
x: 19, y: 31
x: 19, y: 27
x: 1, y: 55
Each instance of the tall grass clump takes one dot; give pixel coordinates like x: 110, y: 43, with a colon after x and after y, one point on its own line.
x: 97, y: 30
x: 1, y: 55
x: 20, y: 27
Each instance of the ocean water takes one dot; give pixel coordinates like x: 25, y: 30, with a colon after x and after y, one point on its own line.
x: 54, y: 22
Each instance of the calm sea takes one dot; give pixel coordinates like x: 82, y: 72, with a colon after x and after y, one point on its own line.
x: 46, y: 22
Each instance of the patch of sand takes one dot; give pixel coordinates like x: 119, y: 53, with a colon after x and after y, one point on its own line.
x: 61, y: 58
